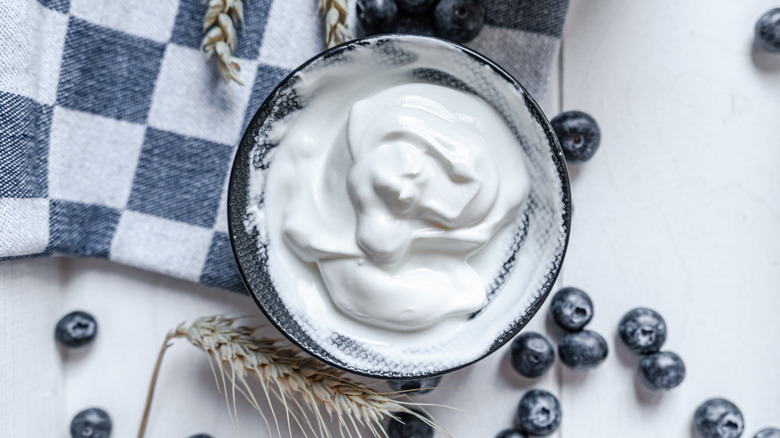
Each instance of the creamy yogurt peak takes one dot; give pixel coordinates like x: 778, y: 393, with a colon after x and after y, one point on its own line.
x: 388, y: 193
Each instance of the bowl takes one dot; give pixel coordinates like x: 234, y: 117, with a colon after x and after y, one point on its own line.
x: 532, y: 249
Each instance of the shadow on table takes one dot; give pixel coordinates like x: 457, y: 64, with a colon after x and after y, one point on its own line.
x: 766, y: 62
x: 644, y: 396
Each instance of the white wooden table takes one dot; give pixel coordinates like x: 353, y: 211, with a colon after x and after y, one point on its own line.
x: 678, y: 211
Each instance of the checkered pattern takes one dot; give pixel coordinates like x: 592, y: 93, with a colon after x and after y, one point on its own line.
x: 116, y: 136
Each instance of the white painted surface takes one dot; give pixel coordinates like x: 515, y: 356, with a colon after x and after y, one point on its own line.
x: 31, y: 378
x: 678, y: 211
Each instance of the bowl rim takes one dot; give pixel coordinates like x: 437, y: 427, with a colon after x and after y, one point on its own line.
x: 556, y: 154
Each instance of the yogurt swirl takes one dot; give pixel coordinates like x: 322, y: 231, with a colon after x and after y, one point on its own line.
x: 390, y: 208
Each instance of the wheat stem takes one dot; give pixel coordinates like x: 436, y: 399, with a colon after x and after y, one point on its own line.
x: 153, y: 383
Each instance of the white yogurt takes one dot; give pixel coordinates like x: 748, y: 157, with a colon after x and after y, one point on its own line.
x: 383, y: 196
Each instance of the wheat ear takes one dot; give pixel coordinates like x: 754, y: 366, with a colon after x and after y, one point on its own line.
x: 219, y: 25
x: 305, y: 387
x: 335, y: 13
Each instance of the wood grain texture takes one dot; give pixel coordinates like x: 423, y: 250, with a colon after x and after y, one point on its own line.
x: 31, y: 383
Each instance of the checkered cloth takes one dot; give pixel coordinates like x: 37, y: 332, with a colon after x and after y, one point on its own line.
x: 116, y: 135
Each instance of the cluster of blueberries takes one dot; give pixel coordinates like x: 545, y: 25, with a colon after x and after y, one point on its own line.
x: 462, y: 20
x: 532, y: 355
x: 456, y: 20
x: 642, y: 330
x: 76, y: 330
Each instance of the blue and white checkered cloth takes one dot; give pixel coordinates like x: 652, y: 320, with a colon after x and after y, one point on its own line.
x: 116, y: 135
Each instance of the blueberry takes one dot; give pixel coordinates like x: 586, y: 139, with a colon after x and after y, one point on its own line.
x: 531, y: 355
x: 511, y: 433
x: 409, y: 426
x: 414, y: 6
x: 571, y: 309
x: 538, y: 413
x: 91, y: 423
x: 76, y: 329
x: 718, y: 418
x: 643, y: 331
x: 415, y: 386
x: 459, y: 20
x: 377, y: 16
x: 579, y: 135
x: 662, y: 371
x: 583, y: 350
x: 768, y: 31
x: 769, y: 432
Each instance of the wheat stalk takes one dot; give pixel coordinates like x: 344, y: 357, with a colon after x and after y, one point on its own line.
x: 335, y: 13
x: 304, y: 386
x: 219, y: 24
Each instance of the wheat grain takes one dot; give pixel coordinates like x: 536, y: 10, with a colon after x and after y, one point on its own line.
x: 304, y: 386
x: 335, y: 14
x: 219, y: 26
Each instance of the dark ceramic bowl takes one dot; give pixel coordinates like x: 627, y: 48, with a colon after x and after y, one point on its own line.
x: 533, y: 258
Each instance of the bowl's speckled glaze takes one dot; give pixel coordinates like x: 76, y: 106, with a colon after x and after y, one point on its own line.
x: 533, y: 261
